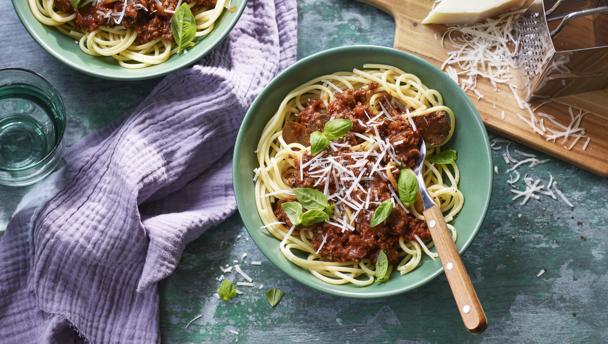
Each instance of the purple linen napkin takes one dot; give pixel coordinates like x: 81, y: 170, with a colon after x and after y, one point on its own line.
x: 84, y: 252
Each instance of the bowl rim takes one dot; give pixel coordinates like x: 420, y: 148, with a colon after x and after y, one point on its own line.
x: 249, y: 117
x: 187, y: 59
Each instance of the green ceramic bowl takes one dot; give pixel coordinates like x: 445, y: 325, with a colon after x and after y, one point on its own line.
x: 66, y: 50
x: 470, y: 140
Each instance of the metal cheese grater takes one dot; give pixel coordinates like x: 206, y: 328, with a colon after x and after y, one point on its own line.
x: 563, y: 47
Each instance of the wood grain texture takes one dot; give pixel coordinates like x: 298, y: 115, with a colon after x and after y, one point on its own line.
x: 424, y: 41
x: 468, y: 304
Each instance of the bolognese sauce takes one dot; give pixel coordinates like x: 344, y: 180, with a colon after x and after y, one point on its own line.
x: 151, y: 19
x: 361, y: 240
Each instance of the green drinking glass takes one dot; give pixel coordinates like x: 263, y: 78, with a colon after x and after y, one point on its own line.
x: 32, y: 124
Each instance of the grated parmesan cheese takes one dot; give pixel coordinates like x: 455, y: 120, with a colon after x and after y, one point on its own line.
x: 193, y: 320
x: 121, y: 15
x: 242, y: 273
x: 586, y: 144
x: 534, y: 187
x: 487, y: 50
x: 482, y: 50
x: 245, y: 284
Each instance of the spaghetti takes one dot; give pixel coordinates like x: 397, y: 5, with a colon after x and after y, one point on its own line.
x: 135, y: 33
x: 390, y: 111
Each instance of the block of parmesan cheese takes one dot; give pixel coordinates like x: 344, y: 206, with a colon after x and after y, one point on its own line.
x: 451, y: 12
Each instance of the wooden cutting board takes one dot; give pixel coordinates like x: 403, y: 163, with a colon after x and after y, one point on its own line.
x: 424, y: 41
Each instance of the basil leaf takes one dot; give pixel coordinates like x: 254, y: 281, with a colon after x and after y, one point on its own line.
x: 293, y: 211
x: 407, y: 186
x: 337, y: 128
x: 330, y: 210
x: 382, y: 213
x: 314, y: 216
x: 311, y: 198
x: 274, y: 296
x: 446, y: 157
x: 227, y: 290
x: 386, y: 276
x: 318, y: 142
x: 183, y: 27
x: 383, y: 269
x: 75, y: 4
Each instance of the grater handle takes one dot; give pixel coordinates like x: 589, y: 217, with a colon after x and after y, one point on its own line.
x: 582, y: 13
x: 554, y: 7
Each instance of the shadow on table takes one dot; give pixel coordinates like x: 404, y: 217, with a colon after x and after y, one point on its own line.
x: 306, y: 315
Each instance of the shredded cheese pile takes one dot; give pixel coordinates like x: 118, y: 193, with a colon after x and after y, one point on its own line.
x: 529, y: 187
x: 488, y: 50
x: 547, y: 126
x: 485, y: 50
x: 348, y: 175
x: 236, y: 272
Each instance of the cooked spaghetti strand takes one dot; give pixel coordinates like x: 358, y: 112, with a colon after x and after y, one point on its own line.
x: 285, y: 163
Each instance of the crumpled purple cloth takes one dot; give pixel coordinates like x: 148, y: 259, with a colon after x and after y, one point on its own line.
x: 81, y: 258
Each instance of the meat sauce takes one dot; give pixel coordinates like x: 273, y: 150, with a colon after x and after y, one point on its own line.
x: 364, y: 241
x: 151, y: 19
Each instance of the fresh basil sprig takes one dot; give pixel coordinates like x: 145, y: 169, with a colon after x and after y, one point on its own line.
x: 183, y: 27
x: 274, y: 296
x: 382, y: 213
x: 293, y: 211
x: 313, y: 216
x: 316, y: 204
x: 407, y: 186
x: 318, y: 142
x: 336, y: 128
x: 311, y: 198
x: 75, y: 4
x: 383, y: 268
x: 332, y: 130
x: 227, y: 290
x: 447, y: 156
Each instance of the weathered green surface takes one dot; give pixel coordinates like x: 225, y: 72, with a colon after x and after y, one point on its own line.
x: 567, y: 304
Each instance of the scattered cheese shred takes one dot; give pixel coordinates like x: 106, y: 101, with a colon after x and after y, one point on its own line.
x: 562, y: 196
x: 121, y: 15
x: 488, y: 50
x: 586, y: 144
x: 242, y: 273
x: 245, y: 284
x: 483, y: 50
x: 534, y: 187
x: 193, y: 320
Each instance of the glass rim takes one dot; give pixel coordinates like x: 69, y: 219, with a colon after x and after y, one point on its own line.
x: 58, y: 144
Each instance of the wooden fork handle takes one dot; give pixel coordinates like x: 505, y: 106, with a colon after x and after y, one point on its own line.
x: 466, y: 298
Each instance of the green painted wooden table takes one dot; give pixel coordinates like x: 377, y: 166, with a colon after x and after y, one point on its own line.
x: 567, y: 304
